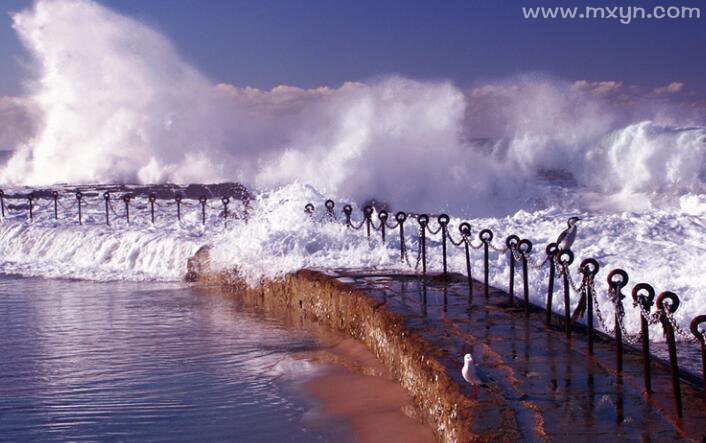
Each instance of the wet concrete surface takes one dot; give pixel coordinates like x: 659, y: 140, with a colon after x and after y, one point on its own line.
x: 554, y: 388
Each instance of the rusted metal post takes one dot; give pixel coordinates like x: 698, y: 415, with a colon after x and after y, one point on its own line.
x: 177, y: 199
x: 671, y: 343
x: 443, y: 221
x: 152, y: 199
x: 126, y: 200
x: 2, y: 202
x: 368, y: 214
x: 643, y: 296
x: 30, y: 200
x: 551, y: 251
x: 511, y: 243
x: 330, y: 205
x: 308, y: 209
x: 203, y: 201
x: 486, y: 236
x: 566, y: 257
x: 423, y: 221
x: 106, y: 197
x: 225, y: 201
x: 616, y: 285
x: 79, y: 198
x: 589, y: 269
x: 699, y: 334
x: 401, y: 217
x: 348, y: 212
x: 55, y: 197
x: 465, y: 229
x: 382, y: 216
x: 525, y: 247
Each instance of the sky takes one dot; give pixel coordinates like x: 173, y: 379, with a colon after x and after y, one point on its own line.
x: 314, y: 43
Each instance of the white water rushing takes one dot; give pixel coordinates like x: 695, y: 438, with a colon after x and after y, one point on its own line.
x: 114, y: 102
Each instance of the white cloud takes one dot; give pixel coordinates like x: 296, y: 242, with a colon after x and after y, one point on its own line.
x: 671, y: 88
x: 598, y: 88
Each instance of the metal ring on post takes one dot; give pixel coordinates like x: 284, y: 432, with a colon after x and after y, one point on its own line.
x: 106, y: 195
x: 465, y: 229
x: 401, y: 217
x: 565, y: 257
x: 30, y: 196
x: 79, y: 195
x: 383, y: 215
x: 203, y: 199
x: 644, y: 300
x: 177, y: 198
x: 225, y: 201
x: 645, y: 303
x: 524, y: 246
x: 443, y: 219
x: 694, y: 327
x: 127, y: 198
x: 423, y: 219
x: 348, y: 210
x: 551, y: 249
x: 673, y: 298
x: 669, y: 330
x: 153, y: 197
x: 368, y: 211
x: 330, y: 205
x: 54, y: 194
x: 588, y: 266
x: 617, y: 284
x: 486, y: 235
x: 309, y: 208
x: 512, y: 241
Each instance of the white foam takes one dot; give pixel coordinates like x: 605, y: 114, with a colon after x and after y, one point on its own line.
x: 115, y: 102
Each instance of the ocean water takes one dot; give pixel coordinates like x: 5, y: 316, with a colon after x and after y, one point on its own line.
x: 88, y: 361
x: 116, y: 103
x: 661, y: 247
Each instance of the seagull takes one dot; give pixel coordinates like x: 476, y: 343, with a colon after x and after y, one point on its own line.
x: 469, y: 373
x: 568, y: 235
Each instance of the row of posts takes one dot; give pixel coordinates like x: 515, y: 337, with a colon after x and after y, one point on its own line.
x: 643, y: 294
x: 126, y: 198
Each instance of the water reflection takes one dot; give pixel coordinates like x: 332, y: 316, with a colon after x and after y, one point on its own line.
x: 96, y: 361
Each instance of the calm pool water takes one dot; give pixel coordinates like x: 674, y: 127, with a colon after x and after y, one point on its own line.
x: 125, y: 361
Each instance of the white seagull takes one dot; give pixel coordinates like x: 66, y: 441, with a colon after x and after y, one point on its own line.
x: 469, y: 373
x: 568, y: 235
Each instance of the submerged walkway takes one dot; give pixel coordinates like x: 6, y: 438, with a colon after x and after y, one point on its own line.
x: 538, y: 383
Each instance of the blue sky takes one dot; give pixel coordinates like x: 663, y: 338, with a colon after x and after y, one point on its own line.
x: 312, y: 43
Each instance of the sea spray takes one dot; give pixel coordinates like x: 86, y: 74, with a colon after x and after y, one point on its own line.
x: 117, y: 103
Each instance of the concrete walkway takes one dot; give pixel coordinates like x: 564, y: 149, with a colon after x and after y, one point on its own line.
x: 537, y: 381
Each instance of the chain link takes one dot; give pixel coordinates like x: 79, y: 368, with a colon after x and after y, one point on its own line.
x: 516, y: 253
x: 534, y: 263
x: 495, y: 248
x: 652, y: 319
x: 597, y: 309
x: 352, y: 225
x: 389, y: 226
x: 564, y: 269
x: 431, y: 231
x: 464, y: 239
x: 685, y: 335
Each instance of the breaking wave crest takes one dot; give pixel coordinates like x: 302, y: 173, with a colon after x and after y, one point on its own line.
x: 118, y: 104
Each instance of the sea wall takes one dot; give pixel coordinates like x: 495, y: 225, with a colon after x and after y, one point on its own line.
x: 410, y: 359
